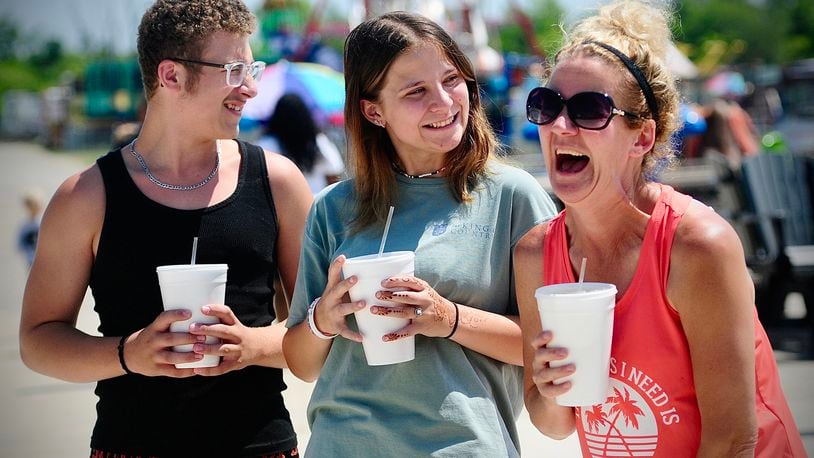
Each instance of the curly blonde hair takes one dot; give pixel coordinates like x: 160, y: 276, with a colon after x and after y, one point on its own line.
x: 179, y: 29
x: 641, y: 31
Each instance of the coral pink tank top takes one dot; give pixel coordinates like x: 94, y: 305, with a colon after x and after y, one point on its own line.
x: 651, y: 408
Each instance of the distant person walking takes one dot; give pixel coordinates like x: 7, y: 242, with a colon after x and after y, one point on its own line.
x: 30, y: 229
x: 56, y: 102
x: 292, y: 132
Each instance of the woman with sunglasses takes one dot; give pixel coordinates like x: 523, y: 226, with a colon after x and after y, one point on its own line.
x: 692, y: 372
x: 419, y: 141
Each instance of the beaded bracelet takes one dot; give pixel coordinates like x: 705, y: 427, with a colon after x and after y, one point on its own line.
x: 121, y: 355
x: 454, y: 326
x: 312, y: 325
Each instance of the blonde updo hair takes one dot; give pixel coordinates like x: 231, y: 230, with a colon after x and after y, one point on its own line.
x: 640, y: 30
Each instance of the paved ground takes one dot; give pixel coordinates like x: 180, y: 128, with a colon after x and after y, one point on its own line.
x: 44, y: 417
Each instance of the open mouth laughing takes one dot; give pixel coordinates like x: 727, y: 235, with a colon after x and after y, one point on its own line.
x: 570, y: 161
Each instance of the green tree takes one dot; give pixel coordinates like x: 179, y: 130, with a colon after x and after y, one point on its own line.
x: 800, y: 42
x: 741, y: 31
x: 50, y: 54
x: 8, y: 39
x: 545, y: 17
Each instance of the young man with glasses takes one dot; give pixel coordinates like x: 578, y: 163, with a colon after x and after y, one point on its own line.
x: 140, y: 207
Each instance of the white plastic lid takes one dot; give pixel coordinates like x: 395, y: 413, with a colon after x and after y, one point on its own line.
x: 198, y: 267
x: 586, y: 290
x: 373, y: 258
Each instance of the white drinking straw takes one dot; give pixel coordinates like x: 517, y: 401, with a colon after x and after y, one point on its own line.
x: 386, y: 228
x: 582, y: 271
x: 194, y: 249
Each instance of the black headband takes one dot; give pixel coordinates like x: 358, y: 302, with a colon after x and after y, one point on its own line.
x: 634, y: 69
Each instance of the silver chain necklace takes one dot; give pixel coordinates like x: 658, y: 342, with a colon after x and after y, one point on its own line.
x: 174, y: 187
x: 423, y: 175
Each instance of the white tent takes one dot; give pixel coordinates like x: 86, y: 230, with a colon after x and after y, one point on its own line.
x: 680, y: 65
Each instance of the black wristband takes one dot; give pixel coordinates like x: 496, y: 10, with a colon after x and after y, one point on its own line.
x: 454, y: 326
x: 121, y: 356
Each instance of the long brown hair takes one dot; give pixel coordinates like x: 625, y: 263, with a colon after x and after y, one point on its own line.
x: 370, y: 50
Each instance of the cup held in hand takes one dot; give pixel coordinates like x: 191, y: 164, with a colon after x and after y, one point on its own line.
x: 191, y: 286
x: 370, y: 271
x: 580, y: 318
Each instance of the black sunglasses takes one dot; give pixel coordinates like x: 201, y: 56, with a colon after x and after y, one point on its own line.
x: 588, y: 110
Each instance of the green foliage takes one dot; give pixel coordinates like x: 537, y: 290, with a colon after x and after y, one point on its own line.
x: 8, y: 39
x: 549, y: 26
x: 740, y: 31
x: 16, y: 74
x: 27, y: 75
x: 279, y: 17
x: 49, y: 54
x: 801, y: 39
x: 715, y: 32
x: 546, y: 17
x: 48, y: 65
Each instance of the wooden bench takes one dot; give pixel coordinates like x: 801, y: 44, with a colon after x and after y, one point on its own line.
x: 778, y: 191
x: 709, y: 180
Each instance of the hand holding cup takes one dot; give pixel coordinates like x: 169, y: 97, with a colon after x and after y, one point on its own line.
x: 580, y: 318
x: 547, y: 378
x: 239, y: 345
x: 150, y: 352
x: 370, y: 272
x: 191, y: 287
x: 334, y: 306
x: 430, y: 313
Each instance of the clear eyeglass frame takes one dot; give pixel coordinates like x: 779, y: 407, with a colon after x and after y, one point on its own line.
x: 236, y: 72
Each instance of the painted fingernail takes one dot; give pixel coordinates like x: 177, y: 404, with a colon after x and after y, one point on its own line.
x: 546, y: 334
x: 200, y: 338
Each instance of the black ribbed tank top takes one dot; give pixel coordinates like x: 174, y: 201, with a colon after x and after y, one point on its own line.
x: 240, y: 413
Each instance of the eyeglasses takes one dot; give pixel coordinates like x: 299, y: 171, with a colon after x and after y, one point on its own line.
x: 235, y: 71
x: 588, y: 110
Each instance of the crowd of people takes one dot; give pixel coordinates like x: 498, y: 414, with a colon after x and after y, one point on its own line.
x: 484, y: 233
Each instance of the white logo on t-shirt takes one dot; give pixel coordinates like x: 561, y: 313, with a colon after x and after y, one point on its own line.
x: 626, y: 424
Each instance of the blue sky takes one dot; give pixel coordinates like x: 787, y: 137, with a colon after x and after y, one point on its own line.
x: 115, y: 21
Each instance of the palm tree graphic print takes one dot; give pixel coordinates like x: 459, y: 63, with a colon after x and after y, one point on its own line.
x: 620, y: 426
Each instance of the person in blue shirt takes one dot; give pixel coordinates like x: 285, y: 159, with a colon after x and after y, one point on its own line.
x: 29, y: 230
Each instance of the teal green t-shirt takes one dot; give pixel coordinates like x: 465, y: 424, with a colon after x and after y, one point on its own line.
x: 448, y: 401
